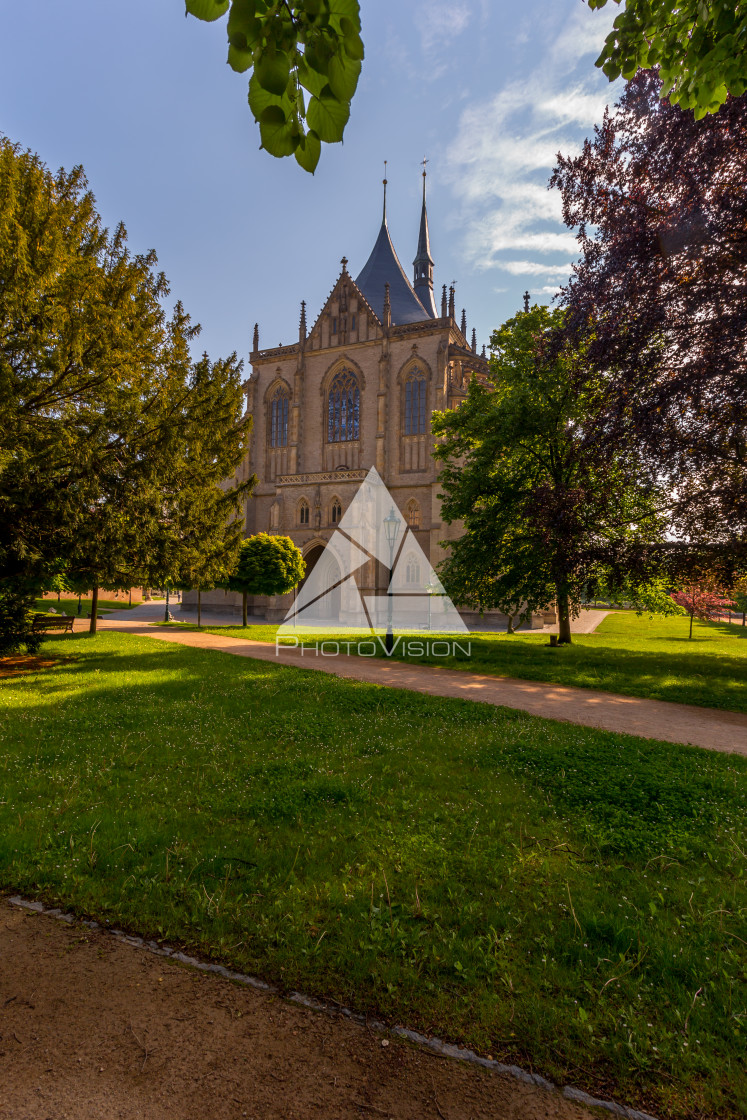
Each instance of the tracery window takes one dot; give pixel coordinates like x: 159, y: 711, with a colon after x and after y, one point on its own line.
x: 412, y: 514
x: 279, y: 418
x: 336, y: 511
x: 412, y: 570
x: 343, y: 408
x: 415, y: 390
x: 303, y: 512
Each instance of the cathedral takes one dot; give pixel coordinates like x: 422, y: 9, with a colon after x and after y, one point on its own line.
x: 356, y: 390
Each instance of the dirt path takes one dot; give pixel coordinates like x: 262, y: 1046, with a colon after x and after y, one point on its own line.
x: 651, y: 719
x: 94, y: 1029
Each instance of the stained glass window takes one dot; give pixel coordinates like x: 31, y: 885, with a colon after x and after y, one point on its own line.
x: 415, y: 387
x: 279, y: 418
x: 343, y: 408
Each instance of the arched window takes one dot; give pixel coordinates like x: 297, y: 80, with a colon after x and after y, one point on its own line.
x: 412, y: 514
x: 343, y: 408
x: 412, y: 570
x: 335, y: 511
x: 415, y: 388
x: 279, y: 418
x: 303, y: 512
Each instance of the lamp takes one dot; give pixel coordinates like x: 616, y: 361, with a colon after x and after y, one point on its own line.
x: 391, y: 528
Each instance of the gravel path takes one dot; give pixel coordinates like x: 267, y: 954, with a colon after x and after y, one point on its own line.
x: 95, y: 1028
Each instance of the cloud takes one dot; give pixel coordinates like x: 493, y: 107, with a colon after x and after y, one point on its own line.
x: 438, y: 22
x: 522, y: 268
x: 500, y: 161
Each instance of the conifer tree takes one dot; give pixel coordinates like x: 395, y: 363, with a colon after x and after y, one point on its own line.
x: 114, y: 445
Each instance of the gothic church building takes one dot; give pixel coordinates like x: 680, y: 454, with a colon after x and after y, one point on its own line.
x: 356, y: 390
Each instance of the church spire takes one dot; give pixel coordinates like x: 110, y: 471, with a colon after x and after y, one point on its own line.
x: 423, y: 263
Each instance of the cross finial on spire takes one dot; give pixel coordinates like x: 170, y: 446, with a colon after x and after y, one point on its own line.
x: 385, y: 183
x: 425, y: 161
x: 526, y: 301
x: 344, y: 263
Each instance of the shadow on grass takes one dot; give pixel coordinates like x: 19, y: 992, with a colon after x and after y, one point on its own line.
x: 474, y: 871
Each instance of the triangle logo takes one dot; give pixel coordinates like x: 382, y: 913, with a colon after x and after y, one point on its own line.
x: 372, y: 574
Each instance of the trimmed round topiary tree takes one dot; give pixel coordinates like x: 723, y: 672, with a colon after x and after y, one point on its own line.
x: 266, y: 566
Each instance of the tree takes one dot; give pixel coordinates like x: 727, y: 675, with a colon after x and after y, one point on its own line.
x: 114, y: 445
x: 266, y: 566
x: 547, y: 500
x: 305, y: 58
x: 16, y: 617
x: 703, y: 603
x: 660, y: 203
x: 700, y: 48
x: 738, y: 593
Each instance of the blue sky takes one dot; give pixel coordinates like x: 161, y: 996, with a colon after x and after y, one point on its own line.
x: 488, y: 90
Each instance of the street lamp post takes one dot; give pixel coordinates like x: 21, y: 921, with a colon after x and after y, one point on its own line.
x: 391, y: 527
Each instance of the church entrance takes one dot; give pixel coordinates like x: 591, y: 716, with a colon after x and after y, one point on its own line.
x: 327, y: 607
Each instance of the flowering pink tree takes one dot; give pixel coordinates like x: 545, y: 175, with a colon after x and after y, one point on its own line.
x: 703, y: 603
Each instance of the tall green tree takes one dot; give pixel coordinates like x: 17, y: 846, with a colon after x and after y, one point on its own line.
x: 550, y: 507
x: 266, y: 565
x: 114, y: 445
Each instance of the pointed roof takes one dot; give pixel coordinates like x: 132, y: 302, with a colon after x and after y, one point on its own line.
x: 383, y: 267
x: 424, y: 287
x: 424, y: 241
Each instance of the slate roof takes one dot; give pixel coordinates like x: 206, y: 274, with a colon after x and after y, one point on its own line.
x: 383, y: 267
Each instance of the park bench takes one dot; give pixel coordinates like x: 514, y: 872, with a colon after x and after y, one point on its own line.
x: 43, y: 622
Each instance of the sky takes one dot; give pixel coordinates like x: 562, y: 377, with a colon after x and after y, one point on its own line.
x: 489, y: 91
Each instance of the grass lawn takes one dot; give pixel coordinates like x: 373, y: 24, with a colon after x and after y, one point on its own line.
x: 632, y: 655
x: 559, y: 897
x: 70, y: 606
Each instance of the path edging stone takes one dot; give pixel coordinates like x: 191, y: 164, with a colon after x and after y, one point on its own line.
x: 435, y: 1045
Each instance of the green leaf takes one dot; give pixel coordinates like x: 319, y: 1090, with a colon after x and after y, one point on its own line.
x: 345, y: 9
x: 328, y: 117
x: 308, y: 151
x: 239, y: 60
x: 242, y: 20
x: 343, y: 76
x: 311, y: 80
x: 354, y: 47
x: 317, y: 56
x: 260, y: 99
x: 272, y: 70
x: 207, y: 9
x: 277, y: 133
